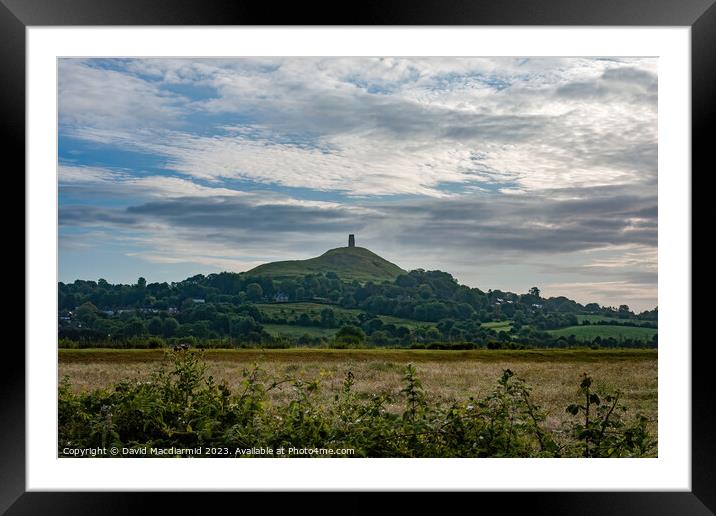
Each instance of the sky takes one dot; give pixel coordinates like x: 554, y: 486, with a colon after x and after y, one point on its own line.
x: 507, y: 173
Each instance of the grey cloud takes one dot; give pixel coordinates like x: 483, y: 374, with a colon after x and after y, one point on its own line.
x: 640, y: 277
x: 299, y: 106
x: 536, y: 224
x: 92, y: 216
x: 632, y: 83
x: 271, y: 230
x: 400, y: 118
x: 631, y: 75
x: 512, y: 128
x: 484, y: 223
x: 236, y: 213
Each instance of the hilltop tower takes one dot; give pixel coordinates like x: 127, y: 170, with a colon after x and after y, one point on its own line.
x: 351, y: 240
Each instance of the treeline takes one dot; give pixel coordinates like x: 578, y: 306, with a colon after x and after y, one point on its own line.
x: 220, y: 309
x: 629, y: 323
x: 420, y: 295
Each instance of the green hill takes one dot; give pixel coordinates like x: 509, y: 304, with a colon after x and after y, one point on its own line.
x: 349, y: 263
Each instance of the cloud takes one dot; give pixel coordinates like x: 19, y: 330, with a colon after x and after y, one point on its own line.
x: 89, y: 94
x: 610, y: 293
x: 490, y: 223
x: 92, y: 182
x: 378, y: 126
x: 628, y: 84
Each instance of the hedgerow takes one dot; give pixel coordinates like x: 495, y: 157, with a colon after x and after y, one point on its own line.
x: 181, y: 406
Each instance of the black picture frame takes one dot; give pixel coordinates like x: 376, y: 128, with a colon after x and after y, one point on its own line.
x: 17, y: 15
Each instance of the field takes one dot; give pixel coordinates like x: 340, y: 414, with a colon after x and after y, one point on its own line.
x: 446, y: 376
x: 498, y: 326
x: 589, y: 332
x: 592, y: 318
x: 408, y: 323
x: 313, y: 310
x: 289, y: 330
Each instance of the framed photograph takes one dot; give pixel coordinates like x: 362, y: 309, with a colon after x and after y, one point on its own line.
x: 427, y: 245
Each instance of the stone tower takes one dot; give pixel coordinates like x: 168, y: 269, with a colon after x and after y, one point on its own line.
x: 351, y: 240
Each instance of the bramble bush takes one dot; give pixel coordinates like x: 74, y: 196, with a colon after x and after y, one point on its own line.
x: 181, y: 406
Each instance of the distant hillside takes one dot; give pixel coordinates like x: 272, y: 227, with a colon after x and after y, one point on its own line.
x: 349, y: 263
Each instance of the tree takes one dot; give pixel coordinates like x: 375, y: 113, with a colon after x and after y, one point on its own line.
x: 425, y: 291
x: 141, y: 282
x: 134, y: 327
x: 328, y: 318
x: 254, y: 291
x: 624, y: 311
x: 433, y: 334
x: 372, y: 325
x: 431, y: 311
x: 155, y: 326
x: 534, y: 291
x: 170, y: 326
x: 87, y: 314
x: 244, y: 325
x: 380, y: 338
x: 250, y: 310
x: 350, y: 335
x: 405, y: 281
x: 445, y: 325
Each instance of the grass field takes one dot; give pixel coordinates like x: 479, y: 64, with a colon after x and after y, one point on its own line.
x: 589, y: 332
x: 595, y: 318
x: 581, y: 332
x: 289, y: 330
x: 311, y: 309
x: 446, y: 375
x: 408, y: 323
x: 598, y: 318
x: 498, y: 325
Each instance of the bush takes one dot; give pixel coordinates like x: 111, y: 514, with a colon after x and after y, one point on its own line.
x: 180, y: 406
x: 155, y: 342
x: 602, y: 432
x: 67, y: 343
x: 350, y: 335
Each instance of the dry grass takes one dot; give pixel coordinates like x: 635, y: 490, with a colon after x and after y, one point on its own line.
x: 446, y: 375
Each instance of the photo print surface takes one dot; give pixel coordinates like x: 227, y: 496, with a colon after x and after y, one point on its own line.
x: 357, y: 257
